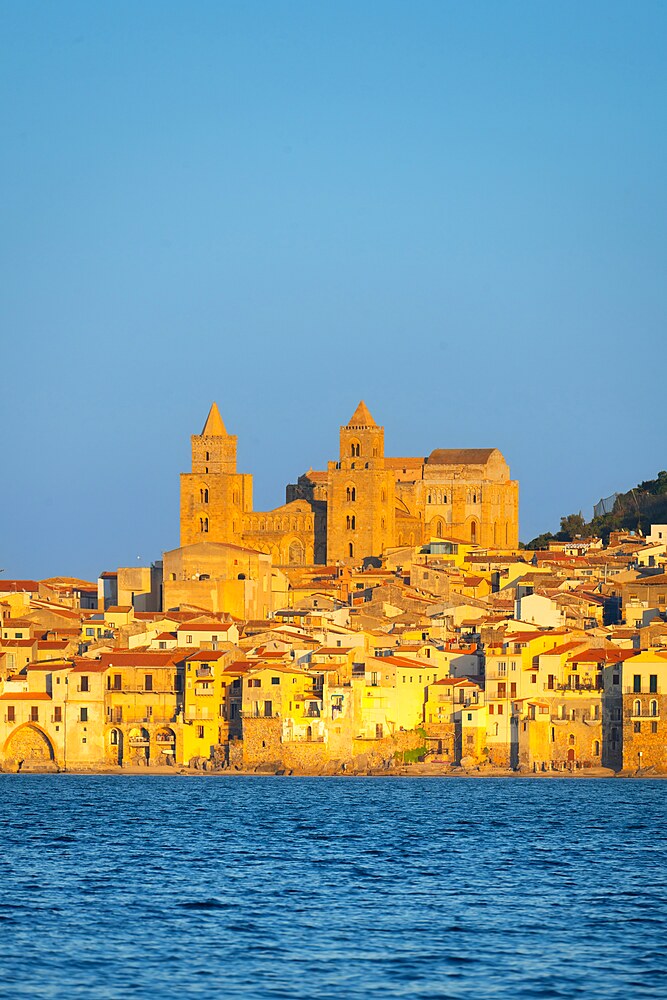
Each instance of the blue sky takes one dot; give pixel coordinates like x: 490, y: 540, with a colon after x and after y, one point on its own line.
x: 456, y: 211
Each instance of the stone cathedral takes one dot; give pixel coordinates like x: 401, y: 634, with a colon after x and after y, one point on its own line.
x: 362, y: 505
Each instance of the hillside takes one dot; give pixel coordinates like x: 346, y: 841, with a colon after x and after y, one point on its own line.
x: 636, y: 510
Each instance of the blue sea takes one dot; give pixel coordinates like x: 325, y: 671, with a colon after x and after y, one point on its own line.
x: 122, y: 886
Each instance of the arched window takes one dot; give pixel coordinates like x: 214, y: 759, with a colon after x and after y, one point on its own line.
x: 474, y: 498
x: 473, y: 531
x: 347, y: 522
x: 354, y: 523
x: 203, y: 495
x: 309, y: 732
x: 654, y: 708
x: 444, y: 498
x: 203, y: 524
x: 596, y: 748
x: 350, y: 550
x: 570, y: 740
x: 428, y: 499
x: 351, y: 494
x: 638, y: 708
x: 355, y: 449
x: 438, y: 529
x: 207, y: 456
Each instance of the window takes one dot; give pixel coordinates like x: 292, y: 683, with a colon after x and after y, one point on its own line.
x: 500, y: 709
x: 188, y: 640
x: 615, y: 678
x: 11, y: 713
x: 637, y: 683
x: 83, y: 715
x: 117, y: 682
x: 350, y: 550
x: 268, y: 709
x: 513, y: 689
x: 653, y: 683
x: 200, y: 732
x: 84, y: 683
x: 654, y: 727
x: 570, y: 740
x: 148, y: 682
x: 638, y: 727
x: 203, y: 495
x: 90, y: 631
x: 491, y: 709
x: 58, y: 714
x: 502, y: 691
x: 275, y: 680
x: 596, y: 748
x: 637, y: 708
x: 654, y: 708
x: 34, y: 714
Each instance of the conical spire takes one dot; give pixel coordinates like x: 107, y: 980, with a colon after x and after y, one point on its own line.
x: 214, y: 426
x: 361, y: 417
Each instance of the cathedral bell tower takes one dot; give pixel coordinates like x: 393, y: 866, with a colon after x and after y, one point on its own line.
x: 360, y: 503
x: 214, y: 495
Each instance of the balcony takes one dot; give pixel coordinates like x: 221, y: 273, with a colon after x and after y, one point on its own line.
x: 162, y: 739
x: 138, y: 741
x: 204, y: 673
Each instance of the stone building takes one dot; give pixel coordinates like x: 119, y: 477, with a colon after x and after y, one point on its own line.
x: 364, y: 504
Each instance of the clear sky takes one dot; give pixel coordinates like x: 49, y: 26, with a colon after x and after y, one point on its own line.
x: 456, y: 211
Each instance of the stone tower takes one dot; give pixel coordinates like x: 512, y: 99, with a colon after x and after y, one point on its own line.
x: 360, y: 502
x: 214, y: 495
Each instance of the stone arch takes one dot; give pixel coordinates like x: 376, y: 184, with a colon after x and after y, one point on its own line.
x: 474, y: 531
x: 355, y: 448
x: 138, y: 740
x: 437, y: 529
x: 30, y: 745
x: 115, y: 742
x: 165, y: 741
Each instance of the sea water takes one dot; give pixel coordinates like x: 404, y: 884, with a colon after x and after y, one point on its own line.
x: 122, y: 886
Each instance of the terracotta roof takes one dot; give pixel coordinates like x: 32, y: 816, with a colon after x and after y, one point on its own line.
x: 459, y: 456
x: 11, y: 586
x: 131, y: 658
x: 25, y: 696
x: 116, y: 609
x: 205, y: 627
x: 207, y: 654
x: 602, y: 655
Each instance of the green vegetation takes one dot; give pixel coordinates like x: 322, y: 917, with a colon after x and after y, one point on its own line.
x: 635, y: 510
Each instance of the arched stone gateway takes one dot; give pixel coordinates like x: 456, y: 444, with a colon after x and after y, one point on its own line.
x: 139, y: 745
x: 165, y: 740
x: 28, y: 747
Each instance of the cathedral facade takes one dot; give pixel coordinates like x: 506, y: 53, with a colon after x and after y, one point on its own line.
x: 361, y: 506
